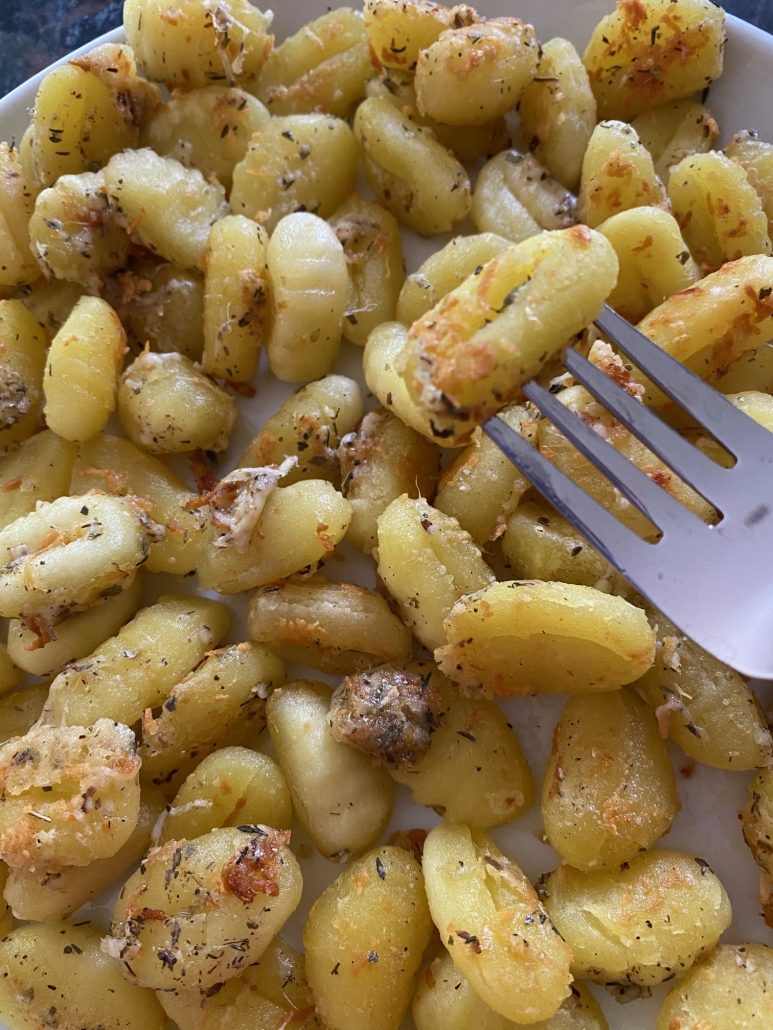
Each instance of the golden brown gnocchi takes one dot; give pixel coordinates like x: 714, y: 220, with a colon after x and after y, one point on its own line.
x: 641, y: 924
x: 493, y: 925
x: 609, y: 789
x: 371, y: 926
x: 195, y: 913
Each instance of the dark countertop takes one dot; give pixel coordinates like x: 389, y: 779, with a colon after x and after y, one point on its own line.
x: 33, y: 33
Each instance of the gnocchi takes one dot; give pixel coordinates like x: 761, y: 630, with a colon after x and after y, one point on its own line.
x: 515, y: 197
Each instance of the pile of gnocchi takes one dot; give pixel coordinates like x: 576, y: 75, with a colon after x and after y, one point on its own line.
x: 200, y: 195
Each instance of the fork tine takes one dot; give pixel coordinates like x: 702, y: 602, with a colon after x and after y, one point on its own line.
x: 619, y: 545
x: 731, y: 427
x: 695, y: 468
x: 653, y: 501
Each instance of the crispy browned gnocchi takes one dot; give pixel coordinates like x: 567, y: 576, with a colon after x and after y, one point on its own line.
x: 617, y: 175
x: 233, y: 786
x: 301, y: 162
x: 335, y: 627
x: 718, y: 210
x: 380, y: 366
x: 178, y: 917
x: 166, y: 207
x: 636, y: 57
x: 412, y: 175
x: 674, y: 131
x: 443, y: 271
x: 715, y: 323
x: 609, y: 789
x: 269, y: 992
x: 460, y: 361
x: 643, y: 923
x: 370, y: 237
x: 445, y: 1000
x: 371, y: 926
x: 427, y: 562
x: 38, y: 471
x: 168, y: 405
x: 341, y: 799
x: 116, y: 466
x: 17, y: 203
x: 228, y: 687
x: 493, y: 925
x: 323, y: 67
x: 71, y: 795
x: 22, y: 362
x: 308, y: 288
x: 195, y: 43
x: 398, y: 31
x: 42, y: 896
x: 471, y: 75
x: 58, y: 971
x: 208, y: 128
x: 558, y: 112
x: 82, y: 369
x: 309, y: 426
x: 294, y: 533
x: 76, y: 635
x: 704, y: 705
x: 473, y: 770
x: 68, y: 554
x: 655, y: 261
x: 482, y: 487
x: 515, y: 197
x: 88, y: 110
x: 235, y: 298
x: 381, y: 459
x: 731, y: 989
x: 529, y: 637
x: 137, y: 668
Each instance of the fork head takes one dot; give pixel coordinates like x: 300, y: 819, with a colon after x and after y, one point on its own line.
x: 714, y: 582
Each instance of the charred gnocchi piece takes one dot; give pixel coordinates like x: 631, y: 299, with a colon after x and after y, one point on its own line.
x: 371, y: 925
x: 71, y: 795
x: 529, y: 637
x: 481, y: 903
x: 231, y: 886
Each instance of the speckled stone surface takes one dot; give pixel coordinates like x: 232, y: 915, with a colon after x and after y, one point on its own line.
x: 33, y: 33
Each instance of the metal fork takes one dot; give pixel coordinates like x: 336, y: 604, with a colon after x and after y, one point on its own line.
x: 714, y: 582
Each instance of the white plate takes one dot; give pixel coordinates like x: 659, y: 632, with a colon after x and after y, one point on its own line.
x: 708, y: 823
